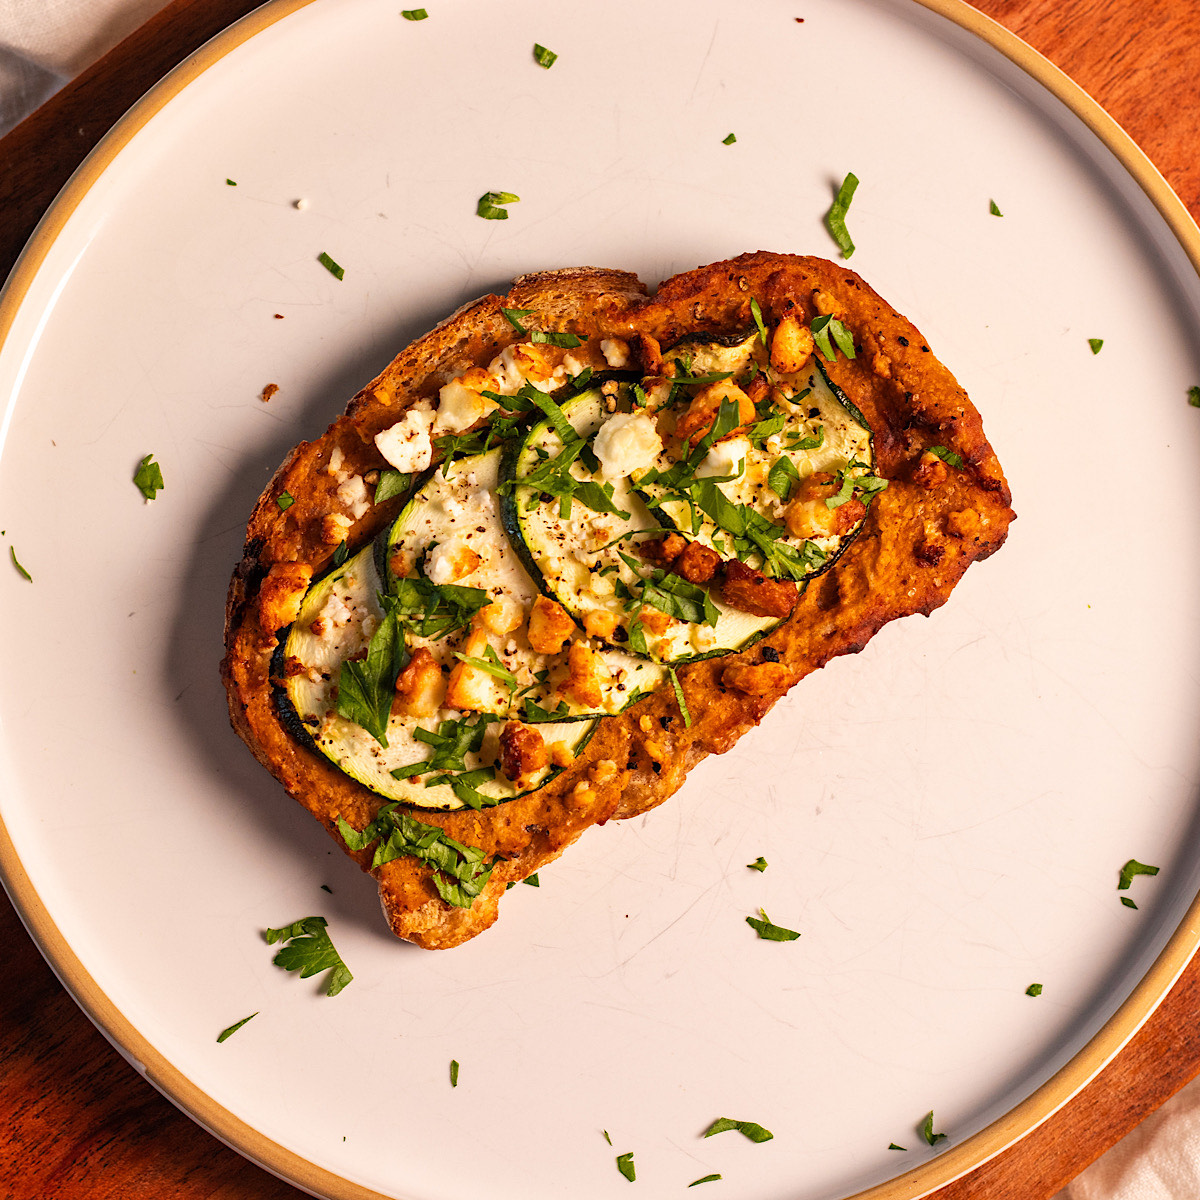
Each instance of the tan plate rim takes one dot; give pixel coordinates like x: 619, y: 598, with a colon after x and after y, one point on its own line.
x: 951, y: 1164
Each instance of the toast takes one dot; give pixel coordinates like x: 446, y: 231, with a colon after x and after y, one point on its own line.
x: 930, y: 500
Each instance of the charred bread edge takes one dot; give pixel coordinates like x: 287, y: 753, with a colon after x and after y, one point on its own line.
x: 920, y: 536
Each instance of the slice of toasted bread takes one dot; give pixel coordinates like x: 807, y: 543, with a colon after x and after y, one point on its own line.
x: 921, y: 534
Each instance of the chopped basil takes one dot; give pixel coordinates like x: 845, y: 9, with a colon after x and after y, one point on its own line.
x: 893, y: 1146
x: 16, y: 563
x: 513, y: 317
x: 947, y: 456
x: 683, y: 708
x: 769, y: 932
x: 543, y: 57
x: 413, y: 14
x: 1125, y: 900
x: 534, y: 714
x: 454, y: 1072
x: 781, y: 476
x: 341, y: 553
x: 532, y: 880
x: 756, y: 313
x: 366, y: 688
x: 1034, y: 989
x: 451, y: 742
x: 309, y: 950
x: 759, y: 864
x: 751, y: 1129
x: 927, y: 1130
x: 460, y: 872
x: 232, y: 183
x: 433, y: 610
x: 232, y: 1029
x: 492, y: 664
x: 825, y: 326
x: 1095, y: 344
x: 994, y: 209
x: 391, y: 483
x: 835, y: 218
x: 333, y: 268
x: 626, y: 1167
x: 704, y: 1179
x: 606, y: 1137
x: 148, y: 477
x: 568, y: 341
x: 490, y: 205
x: 285, y: 500
x: 729, y: 139
x: 1132, y: 868
x: 1194, y: 396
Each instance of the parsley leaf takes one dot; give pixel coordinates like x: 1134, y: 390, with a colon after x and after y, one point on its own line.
x: 893, y: 1146
x: 927, y: 1130
x: 769, y: 932
x: 12, y: 553
x: 728, y: 140
x: 626, y: 1167
x: 566, y: 340
x: 1125, y: 900
x: 490, y: 205
x: 513, y: 317
x: 285, y: 500
x: 341, y: 553
x: 460, y: 872
x: 1194, y: 396
x: 534, y: 714
x: 433, y: 610
x: 751, y: 1129
x: 994, y: 209
x: 683, y: 708
x: 148, y: 477
x: 704, y: 1179
x: 1034, y: 989
x: 414, y: 14
x: 1095, y: 344
x: 949, y: 457
x: 1132, y: 868
x: 781, y: 476
x: 232, y: 1029
x: 367, y: 687
x: 532, y: 880
x: 452, y: 742
x: 543, y: 57
x: 454, y: 1072
x: 756, y: 313
x: 759, y: 864
x: 309, y: 950
x: 492, y: 665
x: 391, y: 483
x: 824, y: 327
x: 333, y: 268
x: 835, y: 218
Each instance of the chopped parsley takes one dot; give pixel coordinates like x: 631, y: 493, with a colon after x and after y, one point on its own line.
x: 333, y: 268
x: 1034, y: 989
x: 756, y: 313
x: 1095, y: 344
x: 705, y: 1179
x: 17, y: 563
x: 232, y: 1029
x: 751, y: 1129
x: 460, y: 872
x: 1194, y: 396
x: 309, y: 950
x: 728, y: 140
x: 994, y: 209
x: 285, y: 500
x: 231, y: 183
x: 823, y: 328
x: 782, y: 476
x: 391, y: 483
x: 532, y: 880
x: 534, y: 714
x: 893, y: 1146
x: 513, y: 317
x: 947, y: 456
x: 606, y: 1137
x: 491, y: 205
x: 568, y: 341
x: 148, y: 477
x: 769, y: 932
x: 432, y: 610
x: 492, y: 665
x: 835, y: 218
x: 341, y: 553
x: 454, y: 1072
x: 367, y: 687
x: 543, y: 57
x: 414, y: 14
x: 626, y: 1167
x: 927, y: 1130
x: 759, y: 864
x: 1128, y: 871
x: 1125, y: 900
x: 683, y: 708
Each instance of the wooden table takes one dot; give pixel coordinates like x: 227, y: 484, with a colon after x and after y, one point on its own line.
x: 80, y: 1124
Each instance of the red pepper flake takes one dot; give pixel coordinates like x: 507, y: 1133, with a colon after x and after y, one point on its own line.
x: 279, y: 316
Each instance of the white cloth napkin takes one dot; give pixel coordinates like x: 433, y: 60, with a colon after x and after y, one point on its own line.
x: 43, y: 43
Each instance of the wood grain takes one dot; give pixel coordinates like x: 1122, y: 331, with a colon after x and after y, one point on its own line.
x: 79, y: 1123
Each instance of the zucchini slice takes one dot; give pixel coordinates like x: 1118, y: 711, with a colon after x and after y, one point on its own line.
x: 336, y: 620
x: 575, y: 529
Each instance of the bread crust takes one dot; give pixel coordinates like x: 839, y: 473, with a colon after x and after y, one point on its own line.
x: 920, y: 535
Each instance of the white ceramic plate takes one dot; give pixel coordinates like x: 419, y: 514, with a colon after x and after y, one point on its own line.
x: 944, y: 815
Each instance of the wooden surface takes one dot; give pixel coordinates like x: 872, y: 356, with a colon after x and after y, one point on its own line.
x: 78, y: 1122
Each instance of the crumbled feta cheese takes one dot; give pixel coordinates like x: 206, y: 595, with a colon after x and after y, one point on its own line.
x: 336, y: 458
x: 354, y: 495
x: 724, y: 458
x: 600, y: 585
x: 572, y: 365
x: 335, y: 612
x: 450, y: 561
x: 459, y: 407
x: 615, y: 351
x: 625, y: 443
x: 407, y: 445
x: 704, y: 637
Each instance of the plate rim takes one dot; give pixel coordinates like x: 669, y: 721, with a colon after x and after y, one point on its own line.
x: 953, y: 1163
